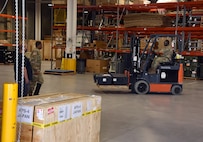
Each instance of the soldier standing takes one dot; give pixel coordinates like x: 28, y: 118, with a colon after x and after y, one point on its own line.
x: 27, y: 69
x: 35, y: 60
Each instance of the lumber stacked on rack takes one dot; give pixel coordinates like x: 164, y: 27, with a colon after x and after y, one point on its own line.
x: 106, y: 2
x: 62, y: 117
x: 59, y: 1
x: 146, y: 20
x: 83, y: 2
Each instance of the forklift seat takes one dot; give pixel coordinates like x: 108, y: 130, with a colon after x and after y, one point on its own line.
x: 171, y: 61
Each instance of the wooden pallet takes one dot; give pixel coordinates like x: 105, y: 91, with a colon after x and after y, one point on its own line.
x: 59, y: 72
x: 191, y: 78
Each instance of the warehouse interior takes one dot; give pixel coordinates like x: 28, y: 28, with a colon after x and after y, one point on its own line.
x: 106, y: 41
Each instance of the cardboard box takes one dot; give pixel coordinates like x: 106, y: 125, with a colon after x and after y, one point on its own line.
x: 59, y: 118
x: 97, y: 66
x: 51, y: 117
x: 100, y: 44
x: 58, y: 63
x: 106, y: 2
x: 59, y: 1
x: 83, y: 2
x: 47, y: 50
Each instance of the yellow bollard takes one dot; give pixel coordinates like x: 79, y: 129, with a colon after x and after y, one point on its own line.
x: 69, y: 64
x: 63, y: 64
x: 10, y: 98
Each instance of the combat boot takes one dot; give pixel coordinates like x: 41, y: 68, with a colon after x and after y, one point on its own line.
x: 37, y: 89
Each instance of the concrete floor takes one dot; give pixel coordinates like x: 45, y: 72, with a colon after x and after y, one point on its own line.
x: 134, y: 118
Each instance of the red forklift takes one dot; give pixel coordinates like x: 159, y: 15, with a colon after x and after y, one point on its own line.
x: 168, y: 77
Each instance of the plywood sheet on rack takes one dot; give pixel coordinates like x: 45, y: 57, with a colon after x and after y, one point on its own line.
x: 146, y: 20
x: 83, y: 2
x: 122, y: 2
x: 106, y: 2
x: 59, y: 1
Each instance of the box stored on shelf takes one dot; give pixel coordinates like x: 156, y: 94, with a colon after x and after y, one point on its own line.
x: 97, y: 66
x: 59, y: 1
x: 83, y: 2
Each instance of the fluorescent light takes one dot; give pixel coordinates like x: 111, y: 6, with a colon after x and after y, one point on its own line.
x: 50, y: 4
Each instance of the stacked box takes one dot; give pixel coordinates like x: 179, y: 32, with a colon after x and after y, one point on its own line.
x: 100, y: 44
x: 97, y: 66
x: 106, y: 2
x: 56, y: 114
x: 146, y: 20
x: 83, y: 2
x: 47, y: 49
x: 60, y: 118
x: 59, y: 1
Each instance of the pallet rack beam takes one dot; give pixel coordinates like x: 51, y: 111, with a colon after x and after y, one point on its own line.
x: 183, y: 10
x: 10, y: 16
x: 9, y: 31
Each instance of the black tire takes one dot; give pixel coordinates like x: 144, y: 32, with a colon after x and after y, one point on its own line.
x: 141, y: 87
x: 176, y: 89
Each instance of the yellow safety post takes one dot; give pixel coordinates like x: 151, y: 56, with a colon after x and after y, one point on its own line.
x: 10, y: 98
x: 68, y: 64
x: 62, y: 64
x: 71, y: 64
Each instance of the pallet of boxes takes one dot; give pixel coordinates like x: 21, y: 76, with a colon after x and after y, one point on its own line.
x: 63, y: 117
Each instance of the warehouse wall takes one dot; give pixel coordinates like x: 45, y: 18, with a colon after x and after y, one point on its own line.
x: 30, y: 23
x: 46, y: 20
x: 30, y: 8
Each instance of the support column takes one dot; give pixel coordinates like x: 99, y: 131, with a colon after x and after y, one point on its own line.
x: 69, y: 61
x: 71, y: 27
x: 37, y: 19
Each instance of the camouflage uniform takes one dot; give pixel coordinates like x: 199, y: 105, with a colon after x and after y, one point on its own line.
x: 35, y: 60
x: 167, y: 53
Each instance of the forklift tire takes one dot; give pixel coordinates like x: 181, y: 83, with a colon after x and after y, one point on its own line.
x: 141, y: 87
x: 176, y: 89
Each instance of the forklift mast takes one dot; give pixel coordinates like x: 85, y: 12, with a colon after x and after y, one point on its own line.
x: 135, y: 51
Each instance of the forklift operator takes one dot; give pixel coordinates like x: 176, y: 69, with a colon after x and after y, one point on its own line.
x: 165, y: 55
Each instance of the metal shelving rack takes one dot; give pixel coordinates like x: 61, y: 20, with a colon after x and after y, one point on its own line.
x: 182, y: 10
x: 9, y: 30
